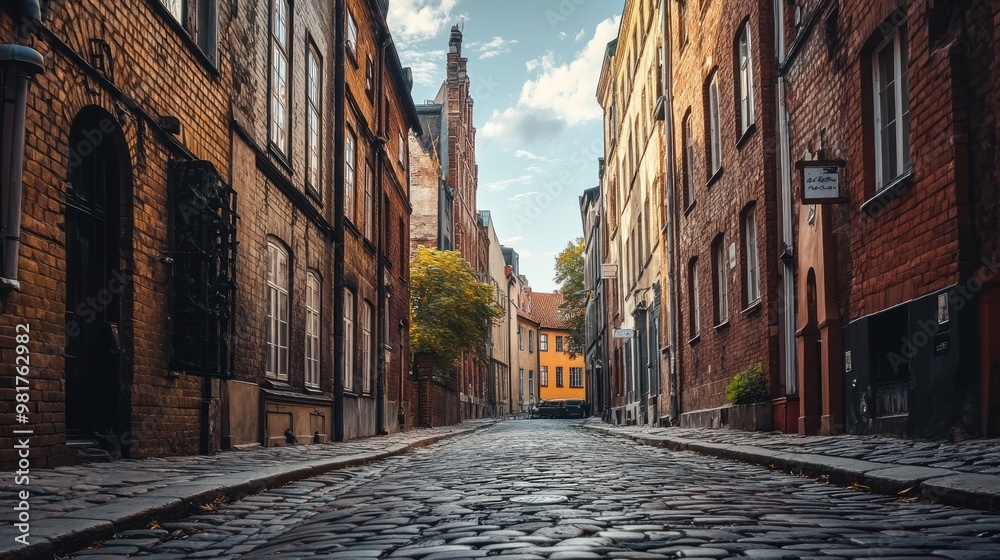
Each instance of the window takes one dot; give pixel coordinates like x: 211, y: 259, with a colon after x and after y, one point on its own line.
x: 752, y: 270
x: 350, y: 182
x: 694, y: 303
x: 367, y: 317
x: 543, y: 376
x: 543, y: 343
x: 352, y: 36
x: 531, y: 385
x: 559, y: 344
x: 369, y: 77
x: 313, y: 123
x: 369, y: 201
x: 688, y: 164
x: 531, y: 341
x: 277, y: 312
x: 744, y: 56
x: 402, y: 150
x: 520, y: 338
x: 559, y: 376
x: 576, y: 377
x: 715, y: 144
x: 682, y: 22
x: 520, y: 386
x: 198, y: 18
x: 348, y: 340
x: 890, y: 64
x: 280, y: 53
x: 312, y: 329
x: 720, y: 263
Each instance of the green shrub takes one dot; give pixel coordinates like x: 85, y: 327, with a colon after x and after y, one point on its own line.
x: 749, y: 386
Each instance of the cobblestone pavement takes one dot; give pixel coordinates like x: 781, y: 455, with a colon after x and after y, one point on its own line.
x: 980, y: 456
x: 485, y: 494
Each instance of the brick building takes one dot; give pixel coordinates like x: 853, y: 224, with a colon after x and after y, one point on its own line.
x: 112, y: 130
x: 320, y: 158
x: 598, y: 387
x: 444, y: 183
x: 896, y: 333
x: 724, y: 204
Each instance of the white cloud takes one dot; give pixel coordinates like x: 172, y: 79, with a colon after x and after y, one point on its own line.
x: 427, y: 66
x: 536, y: 170
x: 494, y: 47
x: 568, y: 90
x: 524, y: 195
x: 560, y: 95
x: 510, y: 240
x: 418, y: 20
x: 579, y: 36
x: 503, y: 184
x: 528, y: 155
x: 562, y: 35
x: 521, y: 126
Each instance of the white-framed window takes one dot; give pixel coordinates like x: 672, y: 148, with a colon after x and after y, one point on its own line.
x: 348, y: 339
x: 278, y: 308
x: 176, y: 8
x: 720, y: 264
x: 369, y: 201
x: 753, y: 269
x: 313, y: 308
x: 350, y: 175
x: 559, y: 343
x: 313, y: 122
x: 367, y: 317
x: 531, y: 385
x: 352, y: 35
x: 280, y: 53
x: 745, y: 81
x: 402, y: 150
x: 695, y: 298
x: 531, y: 341
x: 369, y: 77
x: 714, y: 131
x: 559, y: 376
x: 890, y: 64
x: 520, y: 338
x: 543, y: 342
x: 687, y: 133
x: 576, y: 377
x: 520, y: 385
x: 543, y: 376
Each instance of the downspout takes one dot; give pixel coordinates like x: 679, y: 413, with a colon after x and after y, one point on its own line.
x: 383, y: 214
x: 339, y: 93
x: 668, y: 124
x: 784, y: 165
x: 510, y: 356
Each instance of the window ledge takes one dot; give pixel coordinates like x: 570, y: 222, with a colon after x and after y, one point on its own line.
x: 746, y: 135
x: 695, y: 339
x: 369, y: 245
x: 753, y: 308
x: 714, y: 178
x: 313, y: 390
x: 887, y: 195
x: 349, y: 225
x: 690, y: 207
x: 195, y: 49
x: 313, y: 194
x: 282, y: 160
x: 722, y: 325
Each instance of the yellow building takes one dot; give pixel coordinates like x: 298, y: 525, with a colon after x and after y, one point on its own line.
x: 561, y: 372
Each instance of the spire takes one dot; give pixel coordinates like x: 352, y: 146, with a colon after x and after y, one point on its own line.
x: 456, y: 39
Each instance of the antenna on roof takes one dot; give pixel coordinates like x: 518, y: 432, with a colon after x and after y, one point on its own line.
x: 461, y: 21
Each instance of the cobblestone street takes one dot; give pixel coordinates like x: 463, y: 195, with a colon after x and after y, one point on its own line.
x: 549, y: 489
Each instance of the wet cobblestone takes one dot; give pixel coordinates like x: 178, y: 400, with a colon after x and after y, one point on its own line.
x: 453, y: 500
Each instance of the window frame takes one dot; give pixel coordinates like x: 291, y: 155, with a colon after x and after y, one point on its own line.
x: 281, y: 145
x: 694, y: 295
x: 560, y: 343
x: 367, y: 355
x: 543, y: 376
x: 352, y: 37
x: 369, y: 201
x: 688, y: 159
x: 543, y: 342
x: 314, y: 117
x: 348, y: 340
x: 313, y: 349
x: 752, y: 257
x: 350, y: 175
x: 576, y: 373
x: 714, y: 126
x: 744, y: 79
x: 559, y: 376
x: 720, y: 281
x: 897, y: 40
x: 278, y: 355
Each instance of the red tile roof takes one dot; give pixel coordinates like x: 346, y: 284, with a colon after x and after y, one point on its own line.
x: 545, y: 310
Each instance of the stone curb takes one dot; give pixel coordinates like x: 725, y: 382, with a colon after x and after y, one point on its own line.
x: 943, y: 486
x: 74, y: 530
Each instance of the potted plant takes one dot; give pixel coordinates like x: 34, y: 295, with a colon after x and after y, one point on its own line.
x: 751, y: 400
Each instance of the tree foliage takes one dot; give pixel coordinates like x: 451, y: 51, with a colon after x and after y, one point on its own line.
x: 569, y: 275
x: 451, y: 311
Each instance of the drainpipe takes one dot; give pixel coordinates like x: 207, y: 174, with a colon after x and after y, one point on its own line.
x: 784, y: 167
x: 339, y: 93
x: 668, y: 124
x: 510, y: 355
x: 383, y: 232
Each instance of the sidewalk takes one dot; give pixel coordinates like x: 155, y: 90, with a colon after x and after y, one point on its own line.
x: 70, y: 507
x: 965, y: 474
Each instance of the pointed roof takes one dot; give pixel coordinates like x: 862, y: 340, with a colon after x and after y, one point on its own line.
x: 545, y: 310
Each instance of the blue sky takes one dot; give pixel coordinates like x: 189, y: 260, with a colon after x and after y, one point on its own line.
x: 534, y: 66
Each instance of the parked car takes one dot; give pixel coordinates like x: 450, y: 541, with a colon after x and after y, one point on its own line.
x: 575, y: 408
x: 555, y: 408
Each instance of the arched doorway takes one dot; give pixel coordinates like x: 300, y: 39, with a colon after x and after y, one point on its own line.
x: 811, y: 387
x: 98, y: 281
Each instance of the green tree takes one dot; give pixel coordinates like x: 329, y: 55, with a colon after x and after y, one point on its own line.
x: 451, y: 311
x: 569, y: 275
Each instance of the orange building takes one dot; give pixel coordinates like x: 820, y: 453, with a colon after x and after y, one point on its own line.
x: 560, y: 365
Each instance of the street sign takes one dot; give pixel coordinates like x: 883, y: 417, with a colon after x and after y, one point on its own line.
x: 609, y: 271
x: 821, y: 181
x: 624, y: 333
